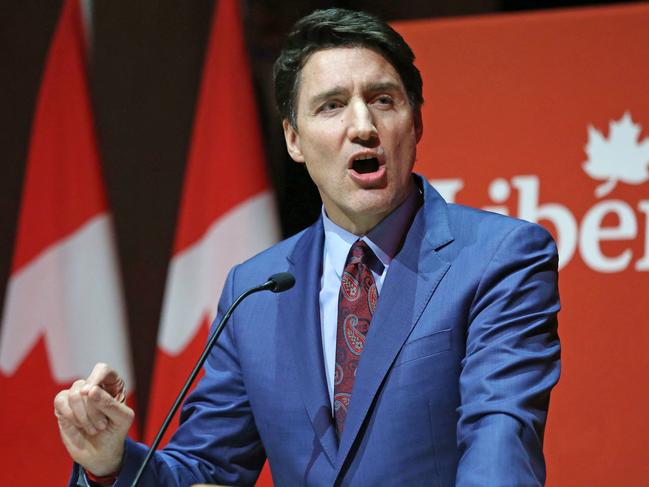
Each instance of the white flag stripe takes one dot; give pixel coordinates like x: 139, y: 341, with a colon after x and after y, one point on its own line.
x: 59, y: 294
x: 197, y: 274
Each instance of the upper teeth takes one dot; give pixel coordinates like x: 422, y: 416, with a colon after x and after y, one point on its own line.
x: 364, y: 157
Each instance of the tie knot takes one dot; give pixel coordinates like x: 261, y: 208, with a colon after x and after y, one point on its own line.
x: 361, y: 253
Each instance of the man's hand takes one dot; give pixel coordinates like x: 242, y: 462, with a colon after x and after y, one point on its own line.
x: 94, y: 421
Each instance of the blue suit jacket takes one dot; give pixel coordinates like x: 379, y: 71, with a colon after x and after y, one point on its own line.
x: 452, y: 387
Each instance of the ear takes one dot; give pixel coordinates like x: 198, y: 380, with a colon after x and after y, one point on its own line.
x: 419, y: 125
x: 292, y: 138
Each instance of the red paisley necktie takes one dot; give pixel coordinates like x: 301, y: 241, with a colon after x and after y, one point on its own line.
x: 356, y: 304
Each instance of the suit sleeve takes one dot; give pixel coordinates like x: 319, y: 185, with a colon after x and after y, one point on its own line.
x: 511, y: 363
x: 217, y: 441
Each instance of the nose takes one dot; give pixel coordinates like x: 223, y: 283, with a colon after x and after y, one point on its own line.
x: 361, y: 126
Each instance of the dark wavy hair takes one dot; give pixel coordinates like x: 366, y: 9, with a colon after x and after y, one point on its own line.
x: 337, y: 27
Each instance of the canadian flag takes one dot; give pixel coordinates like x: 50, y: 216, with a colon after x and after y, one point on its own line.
x: 63, y: 309
x: 227, y: 212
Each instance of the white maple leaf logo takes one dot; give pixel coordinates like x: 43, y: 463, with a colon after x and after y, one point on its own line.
x: 621, y: 157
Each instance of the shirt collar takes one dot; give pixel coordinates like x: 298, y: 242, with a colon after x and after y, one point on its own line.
x: 384, y: 239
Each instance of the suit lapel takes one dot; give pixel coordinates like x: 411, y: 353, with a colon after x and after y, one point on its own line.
x: 299, y: 311
x: 411, y: 280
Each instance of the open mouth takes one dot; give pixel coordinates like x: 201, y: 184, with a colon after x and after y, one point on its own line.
x: 365, y: 166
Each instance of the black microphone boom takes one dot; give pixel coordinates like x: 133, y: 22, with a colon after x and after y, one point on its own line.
x: 276, y: 283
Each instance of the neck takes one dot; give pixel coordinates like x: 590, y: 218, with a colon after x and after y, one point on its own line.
x: 361, y: 223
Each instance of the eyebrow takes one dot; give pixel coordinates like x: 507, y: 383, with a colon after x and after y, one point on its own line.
x: 325, y: 95
x: 339, y: 90
x: 383, y: 86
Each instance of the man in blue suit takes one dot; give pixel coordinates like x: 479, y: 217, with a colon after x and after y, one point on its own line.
x: 419, y: 345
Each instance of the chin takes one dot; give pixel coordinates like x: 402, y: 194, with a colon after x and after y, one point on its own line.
x: 375, y: 204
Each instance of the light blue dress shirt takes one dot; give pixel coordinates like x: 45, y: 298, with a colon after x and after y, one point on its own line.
x: 384, y: 239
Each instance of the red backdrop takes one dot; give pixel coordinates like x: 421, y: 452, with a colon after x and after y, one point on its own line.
x: 546, y: 116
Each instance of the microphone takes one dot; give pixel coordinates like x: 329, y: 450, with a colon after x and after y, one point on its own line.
x: 280, y: 282
x: 277, y: 283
